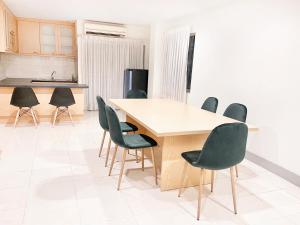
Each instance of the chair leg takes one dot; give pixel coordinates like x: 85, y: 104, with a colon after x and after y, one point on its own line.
x: 102, y: 142
x: 55, y: 115
x: 33, y: 117
x: 107, y: 153
x: 233, y: 188
x: 236, y: 171
x: 154, y: 165
x: 212, y: 181
x: 122, y: 169
x: 136, y: 156
x: 17, y: 117
x: 182, y: 178
x: 200, y: 193
x: 70, y: 116
x: 143, y: 160
x: 36, y: 117
x: 113, y: 160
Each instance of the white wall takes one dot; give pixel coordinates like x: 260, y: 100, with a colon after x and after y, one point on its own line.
x: 249, y: 52
x: 17, y: 66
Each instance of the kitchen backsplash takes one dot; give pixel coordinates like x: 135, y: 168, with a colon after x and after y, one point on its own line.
x: 17, y: 66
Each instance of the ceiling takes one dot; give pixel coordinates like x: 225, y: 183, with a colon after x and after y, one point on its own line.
x: 120, y: 11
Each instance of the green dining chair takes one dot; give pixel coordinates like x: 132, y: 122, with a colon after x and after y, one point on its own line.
x: 136, y: 93
x: 224, y: 148
x: 210, y: 104
x: 125, y: 126
x: 128, y: 141
x: 238, y: 112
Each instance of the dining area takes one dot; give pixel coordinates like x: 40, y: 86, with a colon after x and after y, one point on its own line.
x: 187, y: 145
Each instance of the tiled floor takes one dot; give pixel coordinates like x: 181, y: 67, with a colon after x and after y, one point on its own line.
x: 52, y: 176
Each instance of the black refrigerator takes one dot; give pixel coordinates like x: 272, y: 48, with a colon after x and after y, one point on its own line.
x: 135, y: 79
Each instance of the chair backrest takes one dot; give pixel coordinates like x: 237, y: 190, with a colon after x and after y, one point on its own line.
x: 236, y: 111
x: 224, y: 147
x: 62, y: 97
x: 210, y: 104
x: 102, y: 113
x: 136, y: 94
x: 114, y: 127
x: 23, y: 97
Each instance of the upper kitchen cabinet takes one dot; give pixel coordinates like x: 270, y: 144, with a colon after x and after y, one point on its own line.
x: 50, y: 38
x: 8, y: 30
x: 29, y: 37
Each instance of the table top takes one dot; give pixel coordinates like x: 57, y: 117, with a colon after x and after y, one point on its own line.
x: 170, y: 118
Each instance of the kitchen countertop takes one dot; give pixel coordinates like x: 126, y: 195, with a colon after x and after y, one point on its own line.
x: 27, y: 82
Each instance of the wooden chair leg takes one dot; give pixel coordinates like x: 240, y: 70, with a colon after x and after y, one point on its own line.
x: 113, y: 160
x: 122, y: 169
x: 102, y: 142
x: 55, y: 115
x: 107, y: 153
x: 200, y: 193
x: 154, y: 165
x: 17, y: 117
x: 136, y: 156
x: 233, y: 187
x: 33, y: 117
x: 236, y: 171
x: 70, y: 116
x: 182, y: 178
x: 143, y: 160
x: 212, y: 181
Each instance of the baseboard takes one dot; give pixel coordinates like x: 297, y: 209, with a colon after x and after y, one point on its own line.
x: 274, y: 168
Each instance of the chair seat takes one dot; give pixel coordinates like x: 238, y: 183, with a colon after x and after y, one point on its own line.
x: 191, y: 157
x: 128, y: 127
x: 135, y: 141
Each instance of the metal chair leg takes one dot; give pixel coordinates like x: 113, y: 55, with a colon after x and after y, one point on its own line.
x: 154, y: 165
x: 55, y: 115
x: 200, y: 193
x: 113, y: 160
x: 33, y: 117
x: 212, y: 181
x: 17, y: 117
x: 236, y: 171
x: 102, y: 142
x: 182, y: 178
x: 122, y: 169
x: 233, y: 188
x: 107, y: 153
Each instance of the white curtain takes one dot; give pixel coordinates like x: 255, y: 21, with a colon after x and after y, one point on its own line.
x: 102, y: 64
x: 175, y: 45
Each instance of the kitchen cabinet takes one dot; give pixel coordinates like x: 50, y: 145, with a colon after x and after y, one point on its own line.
x: 8, y: 30
x: 29, y: 37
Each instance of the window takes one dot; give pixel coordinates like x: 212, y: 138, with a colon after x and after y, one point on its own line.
x: 190, y: 63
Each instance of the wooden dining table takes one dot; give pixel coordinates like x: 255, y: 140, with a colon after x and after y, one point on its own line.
x: 177, y: 127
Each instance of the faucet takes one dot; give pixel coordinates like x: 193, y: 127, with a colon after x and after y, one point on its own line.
x: 52, y: 75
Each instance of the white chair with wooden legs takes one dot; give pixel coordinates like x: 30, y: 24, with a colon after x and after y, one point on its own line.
x: 224, y: 148
x: 125, y: 127
x: 128, y: 141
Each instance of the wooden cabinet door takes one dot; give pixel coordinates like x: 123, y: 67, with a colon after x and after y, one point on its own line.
x: 11, y: 32
x: 66, y: 40
x: 29, y: 37
x: 2, y: 29
x: 48, y: 37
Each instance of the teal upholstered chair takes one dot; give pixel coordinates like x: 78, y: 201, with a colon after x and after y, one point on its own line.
x: 238, y: 112
x: 128, y: 141
x: 210, y: 104
x: 125, y: 126
x: 224, y: 148
x: 136, y: 94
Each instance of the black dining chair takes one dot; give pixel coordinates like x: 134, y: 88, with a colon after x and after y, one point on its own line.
x: 136, y: 93
x: 125, y: 126
x: 24, y: 98
x: 210, y: 104
x: 128, y: 141
x: 224, y: 148
x: 238, y: 112
x: 62, y: 99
